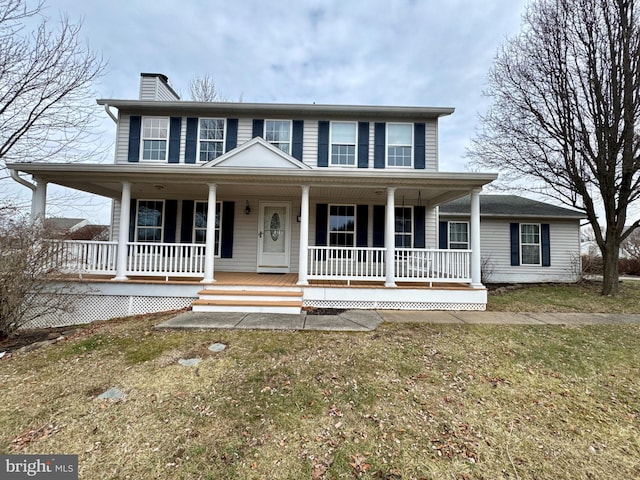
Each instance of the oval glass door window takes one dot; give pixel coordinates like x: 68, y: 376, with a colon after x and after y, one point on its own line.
x: 274, y: 226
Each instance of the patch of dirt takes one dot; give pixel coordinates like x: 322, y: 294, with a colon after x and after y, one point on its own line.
x: 22, y: 338
x: 325, y: 311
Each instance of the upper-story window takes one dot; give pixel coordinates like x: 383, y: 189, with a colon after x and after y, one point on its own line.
x: 399, y: 144
x: 211, y: 135
x: 155, y: 131
x: 343, y: 143
x: 278, y: 133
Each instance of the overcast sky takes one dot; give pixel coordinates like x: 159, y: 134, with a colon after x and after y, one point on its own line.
x: 371, y: 52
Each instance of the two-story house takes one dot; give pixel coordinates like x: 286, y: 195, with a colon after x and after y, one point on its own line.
x: 274, y: 207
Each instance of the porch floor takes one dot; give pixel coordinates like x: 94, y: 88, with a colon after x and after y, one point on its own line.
x: 270, y: 280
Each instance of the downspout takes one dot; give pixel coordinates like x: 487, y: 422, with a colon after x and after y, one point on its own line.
x: 21, y: 180
x: 113, y: 117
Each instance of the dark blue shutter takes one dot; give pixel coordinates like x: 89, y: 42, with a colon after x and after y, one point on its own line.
x: 363, y: 144
x: 186, y: 231
x: 362, y: 225
x: 378, y: 225
x: 419, y: 146
x: 133, y: 208
x: 322, y: 212
x: 443, y: 235
x: 232, y: 134
x: 514, y: 229
x: 418, y: 226
x: 379, y: 133
x: 258, y: 128
x: 323, y: 143
x: 296, y: 140
x: 226, y: 232
x: 170, y: 214
x: 191, y: 144
x: 175, y: 125
x: 135, y: 125
x: 546, y: 245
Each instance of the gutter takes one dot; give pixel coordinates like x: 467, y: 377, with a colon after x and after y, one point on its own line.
x: 19, y: 179
x: 113, y: 117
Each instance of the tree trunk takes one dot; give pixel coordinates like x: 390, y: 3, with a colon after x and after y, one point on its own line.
x: 610, y: 272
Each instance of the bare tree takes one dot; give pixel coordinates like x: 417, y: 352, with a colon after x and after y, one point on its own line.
x: 565, y: 115
x: 30, y: 284
x: 203, y: 89
x: 46, y: 78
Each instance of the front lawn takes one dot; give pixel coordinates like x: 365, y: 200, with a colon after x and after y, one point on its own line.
x: 402, y: 402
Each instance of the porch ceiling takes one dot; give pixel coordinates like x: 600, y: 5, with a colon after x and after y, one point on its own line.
x: 190, y: 181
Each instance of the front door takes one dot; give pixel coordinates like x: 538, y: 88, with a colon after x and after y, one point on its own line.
x: 274, y: 237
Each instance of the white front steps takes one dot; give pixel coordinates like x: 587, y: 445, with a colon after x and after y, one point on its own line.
x: 255, y: 300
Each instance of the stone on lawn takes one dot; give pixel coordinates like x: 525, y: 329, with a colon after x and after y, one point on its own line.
x: 112, y: 394
x: 217, y: 347
x: 189, y: 362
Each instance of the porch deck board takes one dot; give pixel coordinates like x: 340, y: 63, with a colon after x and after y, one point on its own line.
x: 271, y: 280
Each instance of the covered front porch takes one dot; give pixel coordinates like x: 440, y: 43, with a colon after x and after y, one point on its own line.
x: 337, y: 231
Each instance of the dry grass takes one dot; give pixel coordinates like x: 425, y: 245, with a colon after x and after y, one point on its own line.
x: 403, y: 402
x: 568, y: 298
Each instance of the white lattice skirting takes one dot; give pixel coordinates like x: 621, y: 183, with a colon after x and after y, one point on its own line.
x: 90, y: 308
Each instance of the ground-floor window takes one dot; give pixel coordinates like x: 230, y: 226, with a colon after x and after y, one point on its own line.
x: 404, y: 227
x: 200, y: 224
x: 459, y: 235
x: 530, y: 244
x: 149, y: 221
x: 342, y: 224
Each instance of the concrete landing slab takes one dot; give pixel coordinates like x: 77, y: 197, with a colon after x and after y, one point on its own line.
x: 203, y: 320
x: 271, y: 321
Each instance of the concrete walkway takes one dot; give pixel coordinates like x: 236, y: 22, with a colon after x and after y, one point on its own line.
x: 367, y: 320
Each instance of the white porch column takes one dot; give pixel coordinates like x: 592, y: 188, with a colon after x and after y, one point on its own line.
x: 476, y: 281
x: 210, y: 245
x: 39, y: 201
x: 303, y: 259
x: 123, y: 232
x: 390, y: 239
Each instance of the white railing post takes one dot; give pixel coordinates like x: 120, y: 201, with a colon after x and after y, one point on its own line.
x: 210, y: 245
x: 123, y: 233
x: 389, y: 239
x: 303, y: 256
x: 476, y: 281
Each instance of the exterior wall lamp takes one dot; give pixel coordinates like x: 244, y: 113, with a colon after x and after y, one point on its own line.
x: 247, y: 208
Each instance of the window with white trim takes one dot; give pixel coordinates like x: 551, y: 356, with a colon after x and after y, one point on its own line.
x: 149, y: 221
x: 200, y: 224
x: 211, y: 136
x: 155, y: 133
x: 459, y: 235
x: 399, y: 144
x: 342, y: 225
x: 530, y: 250
x: 404, y: 227
x: 278, y: 133
x: 343, y: 143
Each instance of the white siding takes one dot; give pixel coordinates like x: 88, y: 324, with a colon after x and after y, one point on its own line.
x: 153, y: 88
x: 122, y: 140
x: 495, y: 245
x: 310, y: 143
x: 431, y: 145
x: 431, y: 228
x: 245, y: 130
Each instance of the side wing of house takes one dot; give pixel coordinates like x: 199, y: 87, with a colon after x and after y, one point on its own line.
x: 520, y: 250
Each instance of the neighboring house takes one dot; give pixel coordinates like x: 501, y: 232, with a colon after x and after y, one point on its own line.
x: 340, y: 200
x: 522, y: 240
x: 61, y: 227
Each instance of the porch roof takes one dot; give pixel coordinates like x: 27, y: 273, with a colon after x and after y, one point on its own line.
x: 186, y: 181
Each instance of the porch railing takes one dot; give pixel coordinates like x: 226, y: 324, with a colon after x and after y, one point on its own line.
x: 165, y: 259
x: 153, y: 259
x: 431, y: 265
x: 367, y: 263
x: 79, y: 256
